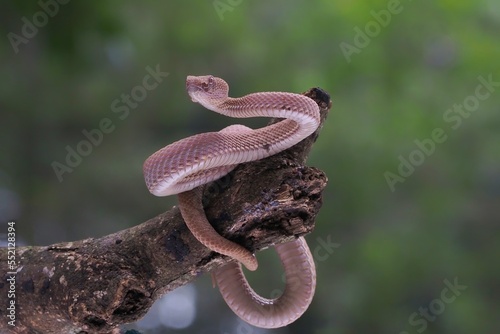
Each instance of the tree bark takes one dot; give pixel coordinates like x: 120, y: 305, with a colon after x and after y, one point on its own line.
x: 94, y: 285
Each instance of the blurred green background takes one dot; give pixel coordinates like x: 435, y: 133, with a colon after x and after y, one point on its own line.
x: 388, y: 243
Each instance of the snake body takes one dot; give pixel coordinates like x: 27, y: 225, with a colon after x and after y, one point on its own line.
x: 180, y: 168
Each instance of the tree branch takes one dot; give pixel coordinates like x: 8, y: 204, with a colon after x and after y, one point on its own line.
x: 94, y: 285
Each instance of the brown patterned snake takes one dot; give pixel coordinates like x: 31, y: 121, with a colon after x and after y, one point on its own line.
x: 180, y: 168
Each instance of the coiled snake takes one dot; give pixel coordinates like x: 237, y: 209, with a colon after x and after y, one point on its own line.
x: 180, y: 168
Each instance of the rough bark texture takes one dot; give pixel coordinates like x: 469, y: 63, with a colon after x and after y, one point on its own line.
x: 94, y: 285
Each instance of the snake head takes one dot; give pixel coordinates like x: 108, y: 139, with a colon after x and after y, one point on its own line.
x: 206, y: 88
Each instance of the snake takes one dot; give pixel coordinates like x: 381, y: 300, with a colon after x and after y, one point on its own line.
x: 183, y: 167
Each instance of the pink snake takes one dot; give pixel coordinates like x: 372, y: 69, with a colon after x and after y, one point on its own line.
x: 182, y: 167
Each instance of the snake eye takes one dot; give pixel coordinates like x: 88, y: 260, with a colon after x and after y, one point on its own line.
x: 207, y: 85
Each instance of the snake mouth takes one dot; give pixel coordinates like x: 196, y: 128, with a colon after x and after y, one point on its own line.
x: 191, y: 83
x: 192, y: 90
